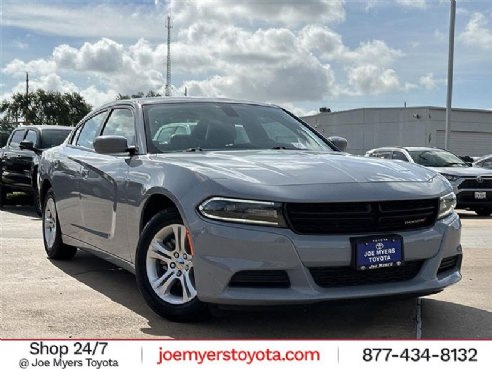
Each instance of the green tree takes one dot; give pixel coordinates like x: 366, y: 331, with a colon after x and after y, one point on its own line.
x: 45, y: 107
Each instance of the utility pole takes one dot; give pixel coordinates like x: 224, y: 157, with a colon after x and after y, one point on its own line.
x: 26, y: 108
x: 168, y: 74
x: 452, y: 18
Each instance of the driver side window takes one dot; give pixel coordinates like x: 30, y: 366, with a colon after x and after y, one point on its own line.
x: 89, y: 131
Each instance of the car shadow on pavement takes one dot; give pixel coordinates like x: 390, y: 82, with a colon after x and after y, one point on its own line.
x: 21, y: 209
x: 393, y: 318
x: 442, y: 319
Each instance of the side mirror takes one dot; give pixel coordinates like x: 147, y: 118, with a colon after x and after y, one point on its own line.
x: 26, y: 145
x: 111, y: 145
x: 340, y: 142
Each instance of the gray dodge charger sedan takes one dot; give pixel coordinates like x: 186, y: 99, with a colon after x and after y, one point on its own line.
x: 242, y: 203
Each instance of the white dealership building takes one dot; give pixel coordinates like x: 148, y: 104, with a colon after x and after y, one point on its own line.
x: 367, y: 128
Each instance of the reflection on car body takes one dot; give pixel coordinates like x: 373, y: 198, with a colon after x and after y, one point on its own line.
x: 247, y: 205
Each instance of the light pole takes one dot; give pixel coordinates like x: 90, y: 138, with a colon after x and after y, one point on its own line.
x: 452, y: 16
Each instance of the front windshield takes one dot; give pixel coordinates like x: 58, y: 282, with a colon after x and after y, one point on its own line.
x: 433, y: 158
x: 53, y: 137
x: 223, y: 126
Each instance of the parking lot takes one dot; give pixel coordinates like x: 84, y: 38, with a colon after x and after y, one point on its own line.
x: 88, y: 297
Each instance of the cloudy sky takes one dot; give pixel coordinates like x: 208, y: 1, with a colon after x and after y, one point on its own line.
x: 301, y: 54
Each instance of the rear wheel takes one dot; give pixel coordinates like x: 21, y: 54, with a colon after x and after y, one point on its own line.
x: 53, y: 244
x: 164, y: 269
x: 483, y: 212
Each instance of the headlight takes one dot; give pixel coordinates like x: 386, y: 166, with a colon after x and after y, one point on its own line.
x: 450, y: 177
x: 447, y: 203
x: 243, y: 211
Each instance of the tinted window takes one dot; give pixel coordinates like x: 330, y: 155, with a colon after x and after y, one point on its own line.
x: 120, y: 123
x: 383, y: 154
x: 17, y: 137
x: 53, y: 137
x: 32, y: 136
x: 486, y: 163
x: 90, y: 130
x: 435, y: 158
x: 398, y: 155
x: 225, y: 126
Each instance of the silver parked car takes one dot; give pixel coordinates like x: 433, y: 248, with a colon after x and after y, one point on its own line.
x: 249, y: 207
x: 484, y: 162
x: 472, y: 185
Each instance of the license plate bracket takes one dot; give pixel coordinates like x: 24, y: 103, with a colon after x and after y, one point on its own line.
x: 376, y: 252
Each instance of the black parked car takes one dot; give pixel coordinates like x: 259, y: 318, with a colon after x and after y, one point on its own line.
x: 19, y: 158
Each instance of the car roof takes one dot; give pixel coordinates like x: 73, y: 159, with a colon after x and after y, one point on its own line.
x: 183, y: 99
x: 423, y: 148
x: 45, y: 127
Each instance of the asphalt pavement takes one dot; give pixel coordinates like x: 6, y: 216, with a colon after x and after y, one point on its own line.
x: 90, y: 298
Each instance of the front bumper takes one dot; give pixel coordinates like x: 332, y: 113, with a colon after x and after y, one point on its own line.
x: 221, y: 250
x: 465, y: 189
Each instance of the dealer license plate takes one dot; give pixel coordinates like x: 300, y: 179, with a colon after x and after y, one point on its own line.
x: 480, y: 195
x: 377, y: 252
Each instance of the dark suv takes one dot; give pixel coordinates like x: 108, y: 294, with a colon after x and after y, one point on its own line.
x: 19, y: 158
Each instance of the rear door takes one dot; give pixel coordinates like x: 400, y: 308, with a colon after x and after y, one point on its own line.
x: 103, y: 189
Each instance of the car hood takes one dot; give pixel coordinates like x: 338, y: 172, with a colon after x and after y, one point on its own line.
x: 282, y: 167
x: 463, y: 171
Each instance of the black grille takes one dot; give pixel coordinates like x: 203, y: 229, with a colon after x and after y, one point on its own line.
x: 347, y: 276
x: 473, y: 183
x: 449, y: 263
x: 260, y: 278
x: 361, y: 217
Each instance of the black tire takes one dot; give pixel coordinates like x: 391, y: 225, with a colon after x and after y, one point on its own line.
x: 190, y: 311
x: 3, y: 195
x: 484, y: 212
x: 55, y: 248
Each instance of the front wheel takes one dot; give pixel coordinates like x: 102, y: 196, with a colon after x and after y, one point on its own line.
x: 164, y: 269
x: 483, y: 212
x: 53, y: 244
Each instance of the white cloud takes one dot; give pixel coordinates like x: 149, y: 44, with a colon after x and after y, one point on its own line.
x: 372, y: 80
x: 477, y: 33
x: 17, y: 67
x: 91, y: 20
x: 280, y: 12
x: 413, y: 3
x: 428, y: 81
x: 96, y: 97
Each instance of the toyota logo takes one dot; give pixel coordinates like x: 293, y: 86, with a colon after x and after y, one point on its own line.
x: 479, y: 179
x: 379, y: 246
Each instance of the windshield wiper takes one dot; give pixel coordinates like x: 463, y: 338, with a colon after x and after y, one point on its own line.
x: 285, y: 148
x: 193, y: 149
x: 455, y: 164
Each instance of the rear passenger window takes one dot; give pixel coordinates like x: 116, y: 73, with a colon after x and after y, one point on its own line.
x: 90, y: 130
x: 397, y: 155
x: 17, y: 137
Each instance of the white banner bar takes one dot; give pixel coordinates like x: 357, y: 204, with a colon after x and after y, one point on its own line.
x: 240, y: 354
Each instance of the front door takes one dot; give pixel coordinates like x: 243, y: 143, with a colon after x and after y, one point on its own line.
x: 103, y: 189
